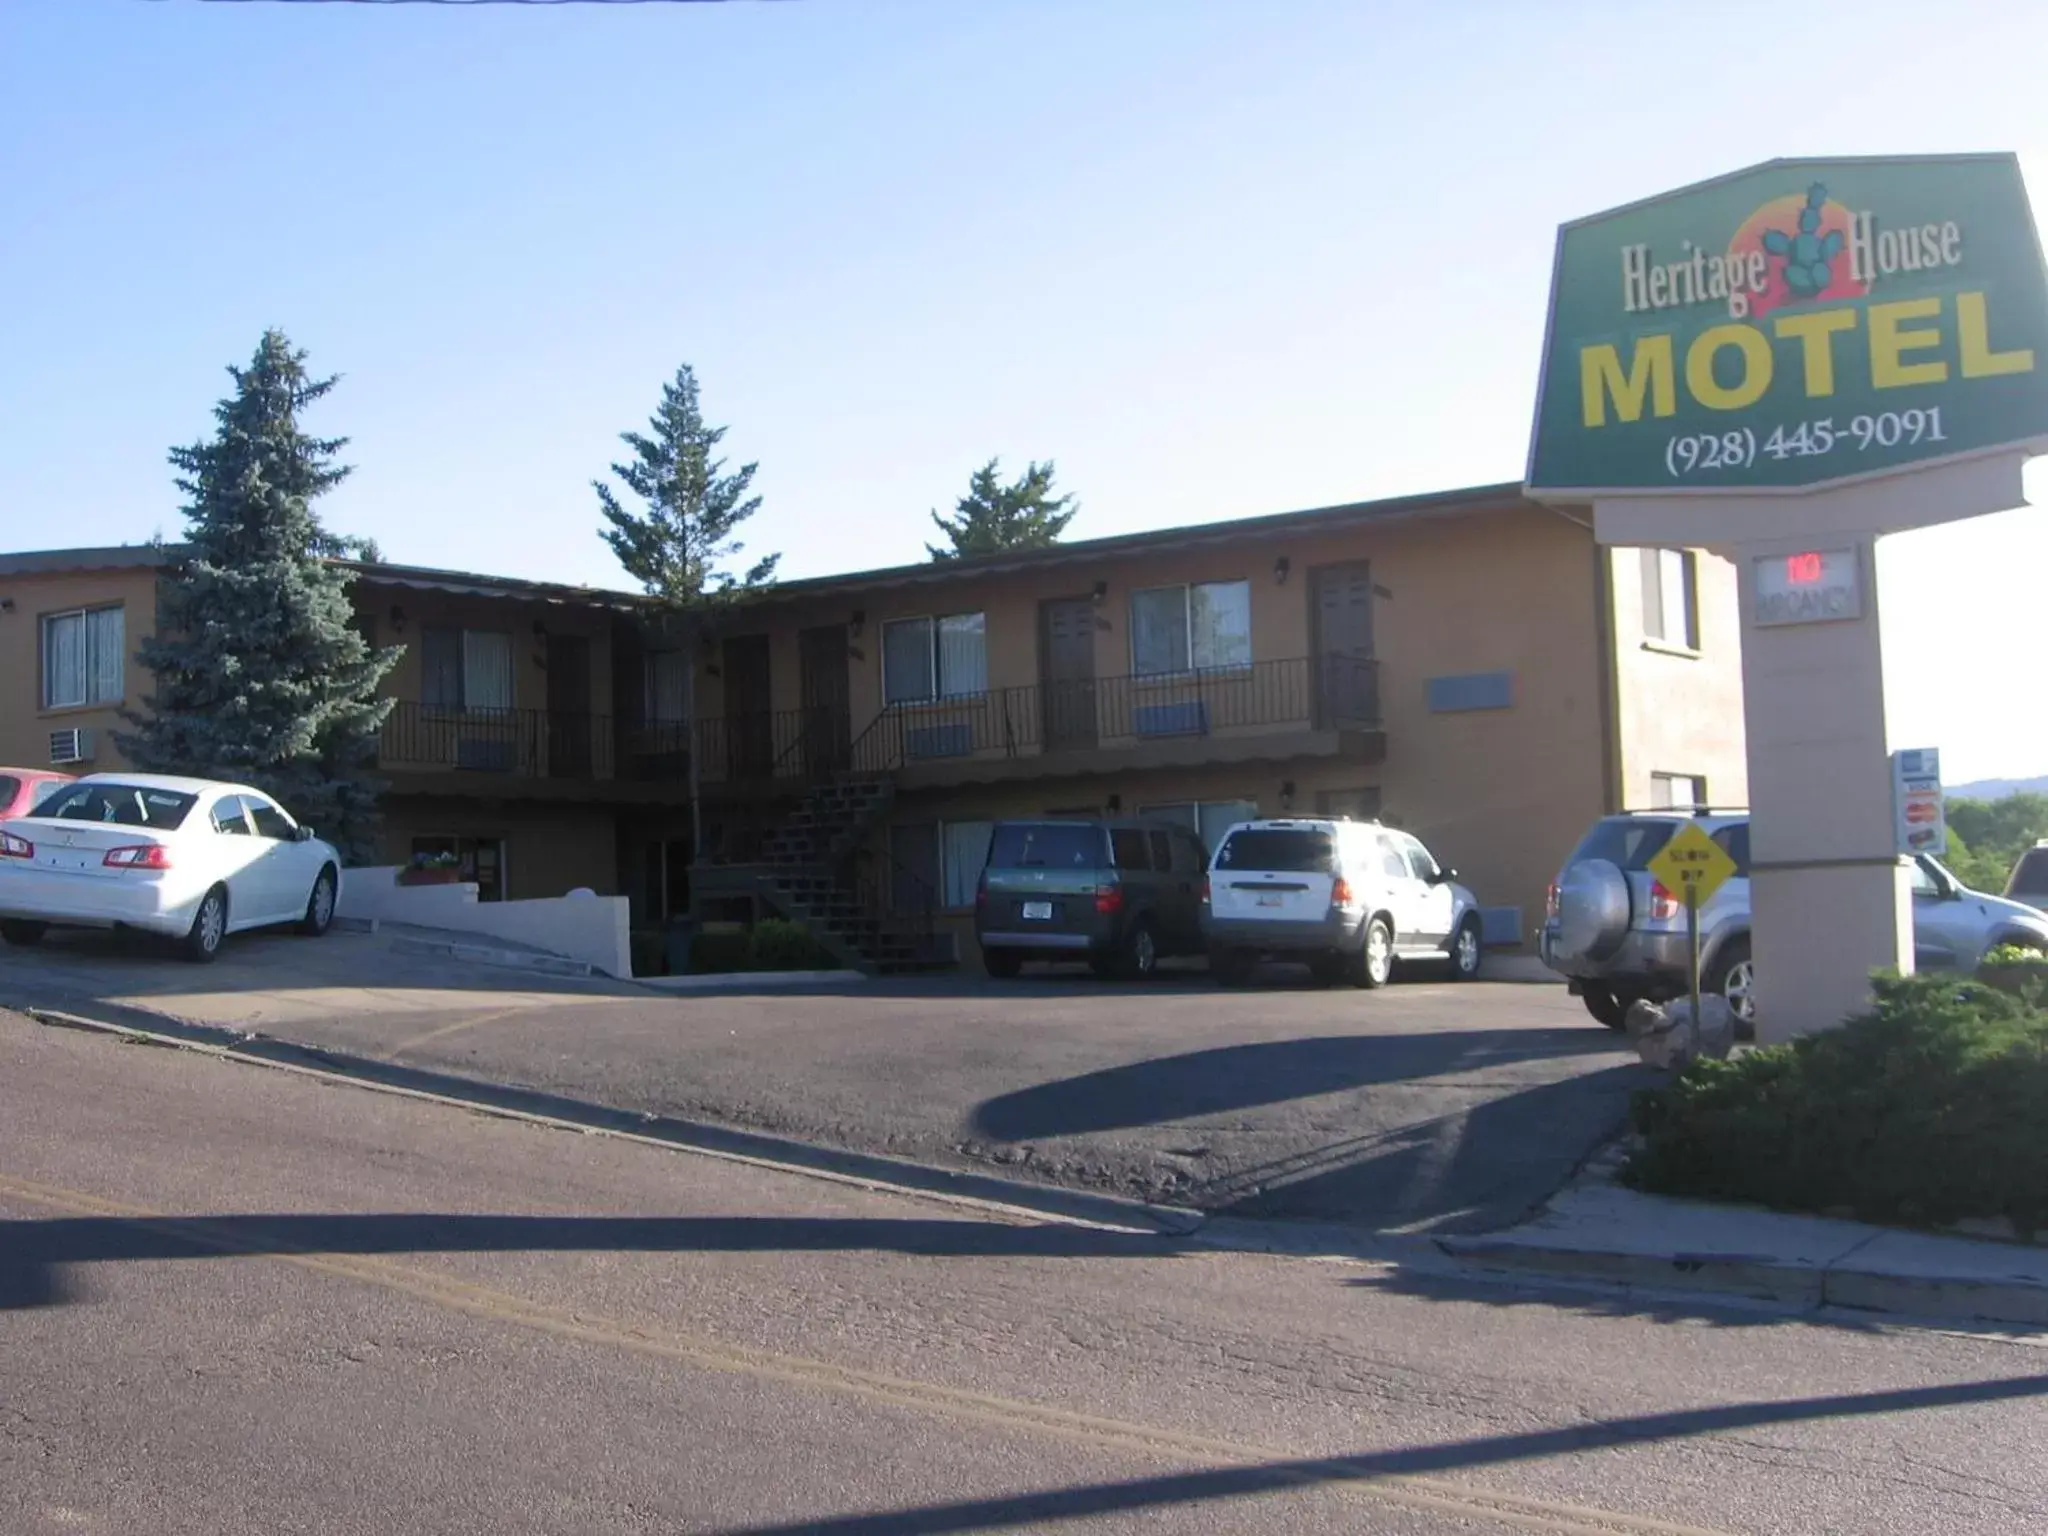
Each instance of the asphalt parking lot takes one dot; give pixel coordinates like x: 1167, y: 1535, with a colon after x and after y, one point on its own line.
x: 1425, y: 1106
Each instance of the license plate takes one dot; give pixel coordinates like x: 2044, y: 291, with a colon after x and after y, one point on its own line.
x: 1271, y: 899
x: 1038, y: 911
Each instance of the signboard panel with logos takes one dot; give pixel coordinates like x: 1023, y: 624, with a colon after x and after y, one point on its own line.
x: 1799, y: 324
x: 1922, y: 811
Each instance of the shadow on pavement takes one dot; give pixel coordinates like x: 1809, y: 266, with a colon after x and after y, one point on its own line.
x: 1486, y: 1167
x: 1182, y: 1489
x: 1593, y: 1298
x: 34, y: 1252
x: 1236, y: 1077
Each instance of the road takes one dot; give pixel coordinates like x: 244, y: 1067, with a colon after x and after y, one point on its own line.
x: 1427, y: 1105
x: 237, y: 1300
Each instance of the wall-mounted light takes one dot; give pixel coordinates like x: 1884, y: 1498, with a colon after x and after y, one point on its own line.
x: 857, y: 623
x: 1101, y: 591
x: 540, y: 628
x: 6, y: 605
x: 397, y: 618
x: 1280, y: 569
x: 1116, y: 804
x: 1287, y: 795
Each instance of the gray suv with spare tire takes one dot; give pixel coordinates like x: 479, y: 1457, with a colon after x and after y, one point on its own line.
x: 1616, y: 935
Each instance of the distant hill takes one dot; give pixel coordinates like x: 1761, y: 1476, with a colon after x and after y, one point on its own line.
x: 1997, y: 789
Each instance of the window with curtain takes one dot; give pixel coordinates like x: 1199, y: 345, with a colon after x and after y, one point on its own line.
x: 486, y: 670
x: 927, y: 659
x: 963, y: 856
x: 667, y: 687
x: 1203, y: 627
x: 466, y: 669
x: 1670, y: 597
x: 84, y: 658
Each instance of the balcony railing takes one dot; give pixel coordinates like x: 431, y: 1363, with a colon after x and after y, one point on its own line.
x: 800, y: 746
x: 1117, y: 713
x: 551, y: 744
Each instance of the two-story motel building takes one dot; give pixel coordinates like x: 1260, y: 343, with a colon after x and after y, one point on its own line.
x: 1468, y: 665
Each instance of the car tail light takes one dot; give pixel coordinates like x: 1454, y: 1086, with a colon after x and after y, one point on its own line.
x: 1109, y: 898
x: 1553, y: 895
x: 981, y: 894
x: 1663, y: 905
x: 138, y: 856
x: 12, y: 847
x: 1340, y: 892
x: 1205, y: 890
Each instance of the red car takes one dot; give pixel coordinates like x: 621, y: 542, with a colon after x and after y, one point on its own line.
x: 21, y: 789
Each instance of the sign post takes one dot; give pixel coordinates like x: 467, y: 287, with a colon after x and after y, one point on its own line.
x: 1692, y: 866
x: 1781, y: 367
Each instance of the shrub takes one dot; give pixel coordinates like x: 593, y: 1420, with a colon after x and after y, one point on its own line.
x: 773, y: 944
x: 1931, y: 1107
x: 778, y: 945
x: 718, y: 950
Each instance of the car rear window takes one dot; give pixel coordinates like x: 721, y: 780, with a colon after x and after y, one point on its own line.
x: 1629, y: 842
x: 2030, y: 875
x: 120, y: 805
x: 1299, y: 850
x: 1045, y: 845
x: 10, y: 786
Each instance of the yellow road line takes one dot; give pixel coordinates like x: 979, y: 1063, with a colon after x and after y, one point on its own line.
x: 449, y: 1029
x: 1434, y: 1495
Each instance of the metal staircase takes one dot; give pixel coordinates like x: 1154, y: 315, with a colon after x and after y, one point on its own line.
x: 823, y: 869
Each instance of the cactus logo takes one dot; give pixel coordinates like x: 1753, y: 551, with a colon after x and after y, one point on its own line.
x: 1805, y: 241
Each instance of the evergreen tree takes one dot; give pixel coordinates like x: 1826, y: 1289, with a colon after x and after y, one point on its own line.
x: 261, y: 676
x: 677, y: 545
x: 993, y: 517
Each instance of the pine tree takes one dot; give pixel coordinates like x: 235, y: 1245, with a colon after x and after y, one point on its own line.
x: 992, y: 517
x: 261, y: 676
x: 678, y: 545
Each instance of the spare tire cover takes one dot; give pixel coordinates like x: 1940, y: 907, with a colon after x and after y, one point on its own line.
x: 1593, y: 910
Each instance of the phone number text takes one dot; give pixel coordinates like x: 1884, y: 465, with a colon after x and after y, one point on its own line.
x: 1704, y: 452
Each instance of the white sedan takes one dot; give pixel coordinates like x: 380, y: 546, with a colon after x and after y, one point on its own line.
x: 190, y: 858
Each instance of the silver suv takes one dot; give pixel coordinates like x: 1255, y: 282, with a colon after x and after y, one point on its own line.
x: 1346, y: 898
x: 1617, y: 935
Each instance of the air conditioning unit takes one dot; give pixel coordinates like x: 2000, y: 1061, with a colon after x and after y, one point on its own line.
x: 72, y: 746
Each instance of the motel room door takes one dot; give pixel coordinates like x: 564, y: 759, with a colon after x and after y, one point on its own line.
x: 1067, y: 671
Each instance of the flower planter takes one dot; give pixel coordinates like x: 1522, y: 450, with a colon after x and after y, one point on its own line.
x: 429, y: 876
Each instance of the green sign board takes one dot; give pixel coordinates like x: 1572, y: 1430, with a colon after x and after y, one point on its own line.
x: 1799, y: 324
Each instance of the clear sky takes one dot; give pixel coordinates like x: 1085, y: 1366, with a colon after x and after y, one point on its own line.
x: 1215, y: 257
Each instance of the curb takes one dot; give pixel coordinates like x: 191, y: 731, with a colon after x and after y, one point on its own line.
x: 1934, y: 1298
x: 866, y: 1170
x: 749, y: 981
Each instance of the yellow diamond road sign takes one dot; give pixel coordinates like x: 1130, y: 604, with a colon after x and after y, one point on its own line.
x: 1692, y: 866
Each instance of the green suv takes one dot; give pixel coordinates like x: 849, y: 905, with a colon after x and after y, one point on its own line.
x: 1119, y: 894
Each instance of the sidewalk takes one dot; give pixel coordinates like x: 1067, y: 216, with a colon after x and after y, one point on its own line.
x: 1597, y: 1230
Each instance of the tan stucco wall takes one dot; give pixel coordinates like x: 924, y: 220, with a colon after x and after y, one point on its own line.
x: 427, y: 609
x: 1502, y: 794
x: 25, y: 725
x: 1679, y: 711
x: 549, y: 849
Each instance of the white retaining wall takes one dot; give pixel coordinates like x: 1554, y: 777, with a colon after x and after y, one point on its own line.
x: 582, y: 926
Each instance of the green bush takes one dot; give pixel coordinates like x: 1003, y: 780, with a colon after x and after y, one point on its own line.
x: 773, y: 944
x: 783, y: 946
x: 715, y: 951
x: 1930, y: 1108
